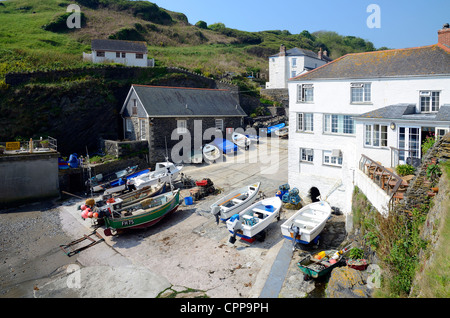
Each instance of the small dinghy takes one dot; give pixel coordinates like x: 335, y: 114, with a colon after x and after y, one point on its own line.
x: 235, y: 201
x: 254, y: 220
x: 283, y: 132
x: 133, y: 197
x: 240, y: 140
x: 164, y: 172
x: 211, y: 153
x: 307, y: 223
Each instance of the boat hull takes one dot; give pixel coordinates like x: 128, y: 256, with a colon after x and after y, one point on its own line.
x: 310, y: 221
x: 252, y: 226
x: 146, y: 219
x: 228, y: 211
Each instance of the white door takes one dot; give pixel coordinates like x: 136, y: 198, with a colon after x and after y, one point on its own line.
x: 409, y: 141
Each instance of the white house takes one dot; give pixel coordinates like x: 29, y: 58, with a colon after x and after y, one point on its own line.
x: 130, y: 53
x: 291, y: 63
x: 381, y: 104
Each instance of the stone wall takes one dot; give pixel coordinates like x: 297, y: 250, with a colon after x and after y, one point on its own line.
x: 125, y: 148
x: 28, y: 178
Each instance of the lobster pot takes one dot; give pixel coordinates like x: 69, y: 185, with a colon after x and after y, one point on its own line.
x: 294, y: 199
x: 284, y: 187
x: 293, y: 192
x: 285, y: 198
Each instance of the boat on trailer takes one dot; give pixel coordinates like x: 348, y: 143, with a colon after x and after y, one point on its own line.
x: 235, y: 201
x: 253, y: 221
x: 307, y: 223
x: 143, y: 215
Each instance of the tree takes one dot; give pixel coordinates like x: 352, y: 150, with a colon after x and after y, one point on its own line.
x: 201, y: 24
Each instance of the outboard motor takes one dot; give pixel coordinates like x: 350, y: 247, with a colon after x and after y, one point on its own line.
x: 216, y: 212
x: 296, y: 232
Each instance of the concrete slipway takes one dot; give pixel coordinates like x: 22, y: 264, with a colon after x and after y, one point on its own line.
x: 187, y: 249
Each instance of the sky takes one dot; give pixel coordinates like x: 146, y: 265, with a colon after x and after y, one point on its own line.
x: 392, y: 23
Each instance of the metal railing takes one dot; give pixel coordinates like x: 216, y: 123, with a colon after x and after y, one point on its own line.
x: 411, y: 156
x: 385, y: 178
x: 32, y: 146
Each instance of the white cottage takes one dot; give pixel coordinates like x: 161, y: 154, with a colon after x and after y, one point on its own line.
x: 130, y: 53
x: 291, y: 63
x: 381, y: 104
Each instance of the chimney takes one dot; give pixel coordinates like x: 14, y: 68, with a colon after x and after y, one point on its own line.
x: 444, y: 35
x: 320, y: 54
x: 282, y: 50
x: 325, y: 53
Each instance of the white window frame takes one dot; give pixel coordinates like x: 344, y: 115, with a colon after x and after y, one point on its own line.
x: 182, y: 126
x: 329, y: 160
x: 139, y: 56
x: 335, y: 124
x: 306, y: 155
x: 129, y: 124
x: 218, y: 123
x: 432, y: 105
x: 142, y: 129
x: 303, y: 125
x: 302, y: 93
x: 374, y: 136
x: 366, y: 93
x: 440, y: 132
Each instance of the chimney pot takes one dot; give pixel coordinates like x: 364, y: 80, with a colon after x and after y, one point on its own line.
x: 282, y: 50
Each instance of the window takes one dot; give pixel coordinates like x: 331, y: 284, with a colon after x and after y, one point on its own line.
x: 306, y: 155
x: 182, y: 126
x: 124, y: 54
x: 294, y: 62
x: 134, y: 107
x: 117, y: 54
x: 332, y: 158
x: 293, y: 74
x: 339, y: 124
x: 129, y: 124
x: 139, y: 56
x: 219, y: 124
x: 143, y: 130
x: 375, y: 135
x: 429, y: 101
x: 100, y: 53
x: 440, y: 132
x: 305, y: 122
x: 305, y: 93
x: 360, y: 92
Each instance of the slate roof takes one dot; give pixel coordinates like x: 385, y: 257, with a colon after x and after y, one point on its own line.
x: 119, y: 46
x: 425, y: 60
x: 162, y: 101
x: 407, y: 112
x: 302, y: 52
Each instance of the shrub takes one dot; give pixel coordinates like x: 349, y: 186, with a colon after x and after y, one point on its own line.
x: 427, y: 144
x: 404, y: 170
x: 59, y: 24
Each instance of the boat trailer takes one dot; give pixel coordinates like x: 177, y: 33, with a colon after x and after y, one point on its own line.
x: 66, y: 248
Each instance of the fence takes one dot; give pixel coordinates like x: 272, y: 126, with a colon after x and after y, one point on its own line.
x: 20, y: 147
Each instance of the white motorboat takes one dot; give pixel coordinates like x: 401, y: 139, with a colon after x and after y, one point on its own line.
x: 211, y: 153
x: 235, y: 201
x: 240, y: 140
x: 307, y: 223
x: 164, y: 172
x: 254, y: 220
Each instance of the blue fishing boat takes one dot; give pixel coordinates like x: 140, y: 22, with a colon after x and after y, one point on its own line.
x: 271, y: 129
x: 225, y: 145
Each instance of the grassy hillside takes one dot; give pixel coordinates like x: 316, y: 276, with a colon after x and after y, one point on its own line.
x: 28, y: 43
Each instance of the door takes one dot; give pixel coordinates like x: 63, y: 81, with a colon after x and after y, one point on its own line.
x: 142, y: 129
x: 409, y: 140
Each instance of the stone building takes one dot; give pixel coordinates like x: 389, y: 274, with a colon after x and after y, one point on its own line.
x: 173, y: 115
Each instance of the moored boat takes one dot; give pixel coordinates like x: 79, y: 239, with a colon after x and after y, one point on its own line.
x: 211, y: 153
x: 164, y: 172
x: 240, y: 140
x: 148, y: 213
x: 254, y: 220
x: 102, y: 182
x: 274, y: 128
x: 307, y: 223
x: 282, y: 132
x: 235, y: 201
x: 133, y: 197
x: 225, y: 146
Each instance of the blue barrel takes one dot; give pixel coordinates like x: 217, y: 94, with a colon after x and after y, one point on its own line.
x: 188, y: 200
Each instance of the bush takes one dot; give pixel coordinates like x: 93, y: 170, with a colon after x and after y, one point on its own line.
x: 404, y: 170
x: 427, y: 144
x: 59, y: 24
